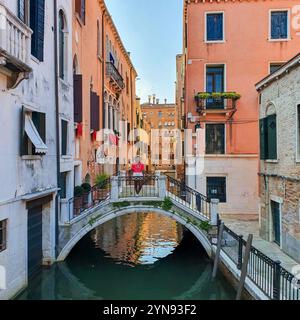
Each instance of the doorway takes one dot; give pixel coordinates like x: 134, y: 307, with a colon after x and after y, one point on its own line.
x: 275, y: 210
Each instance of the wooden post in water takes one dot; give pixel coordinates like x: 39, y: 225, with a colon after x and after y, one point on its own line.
x: 219, y: 246
x: 244, y: 267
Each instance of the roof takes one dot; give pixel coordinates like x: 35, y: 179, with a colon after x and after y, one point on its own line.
x: 281, y: 72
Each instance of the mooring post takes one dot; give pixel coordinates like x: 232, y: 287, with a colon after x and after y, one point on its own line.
x: 162, y: 186
x: 219, y: 247
x: 214, y: 212
x: 244, y: 267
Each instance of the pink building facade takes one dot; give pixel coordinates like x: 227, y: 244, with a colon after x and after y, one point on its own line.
x: 228, y: 47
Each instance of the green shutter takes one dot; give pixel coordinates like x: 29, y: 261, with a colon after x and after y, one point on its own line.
x: 272, y: 137
x: 263, y: 139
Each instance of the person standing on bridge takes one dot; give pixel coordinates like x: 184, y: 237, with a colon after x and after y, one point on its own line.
x: 138, y: 169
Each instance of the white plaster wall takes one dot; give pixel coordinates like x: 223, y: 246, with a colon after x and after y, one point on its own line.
x: 19, y: 176
x: 241, y: 179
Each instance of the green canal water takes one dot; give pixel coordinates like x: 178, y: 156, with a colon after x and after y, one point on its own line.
x: 134, y: 257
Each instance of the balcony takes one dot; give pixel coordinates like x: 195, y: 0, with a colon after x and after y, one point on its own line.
x: 217, y: 103
x: 15, y: 47
x: 115, y: 77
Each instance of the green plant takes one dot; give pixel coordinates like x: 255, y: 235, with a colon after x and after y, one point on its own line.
x: 155, y: 204
x: 102, y: 180
x: 203, y: 95
x: 205, y: 225
x: 78, y: 191
x: 217, y: 95
x: 122, y: 204
x: 86, y: 187
x: 167, y: 204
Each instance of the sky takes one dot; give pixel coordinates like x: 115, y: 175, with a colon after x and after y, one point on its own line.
x: 151, y: 31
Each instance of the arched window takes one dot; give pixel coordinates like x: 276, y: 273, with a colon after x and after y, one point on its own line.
x: 62, y: 44
x: 98, y: 39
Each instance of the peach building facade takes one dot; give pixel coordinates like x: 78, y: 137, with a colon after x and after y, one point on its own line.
x: 226, y: 52
x: 104, y: 85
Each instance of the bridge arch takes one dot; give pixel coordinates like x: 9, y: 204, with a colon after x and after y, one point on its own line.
x: 115, y: 213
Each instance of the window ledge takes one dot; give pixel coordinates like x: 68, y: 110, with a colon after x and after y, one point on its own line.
x: 79, y: 20
x: 68, y: 157
x: 36, y: 60
x: 279, y: 40
x: 214, y: 41
x: 31, y: 158
x: 272, y: 161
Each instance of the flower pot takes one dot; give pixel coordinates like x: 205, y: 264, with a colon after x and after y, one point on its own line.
x: 78, y: 204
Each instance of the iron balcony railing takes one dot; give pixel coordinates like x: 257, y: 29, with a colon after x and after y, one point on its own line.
x: 114, y: 74
x: 216, y: 101
x: 189, y: 197
x: 268, y: 275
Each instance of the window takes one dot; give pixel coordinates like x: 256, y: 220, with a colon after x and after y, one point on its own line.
x: 37, y: 24
x: 99, y: 39
x: 215, y: 138
x: 80, y: 9
x: 275, y: 66
x: 64, y: 137
x: 3, y: 235
x: 214, y: 27
x: 33, y: 133
x: 62, y: 44
x: 23, y: 11
x: 279, y: 25
x: 216, y: 188
x: 215, y: 83
x: 268, y: 138
x: 95, y: 113
x: 160, y: 114
x: 63, y: 185
x: 127, y: 84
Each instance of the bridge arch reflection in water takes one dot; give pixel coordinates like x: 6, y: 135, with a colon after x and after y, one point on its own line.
x: 135, y: 256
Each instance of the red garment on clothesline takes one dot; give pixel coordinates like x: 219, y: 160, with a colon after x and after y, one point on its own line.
x: 138, y: 167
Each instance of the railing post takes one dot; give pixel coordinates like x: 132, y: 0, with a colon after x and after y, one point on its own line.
x: 162, y: 186
x: 114, y: 189
x: 240, y: 253
x: 276, y: 280
x: 214, y: 212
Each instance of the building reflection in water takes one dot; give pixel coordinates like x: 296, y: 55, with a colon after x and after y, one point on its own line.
x: 137, y: 238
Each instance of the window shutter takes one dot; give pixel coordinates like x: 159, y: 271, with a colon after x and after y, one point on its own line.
x: 23, y: 138
x: 78, y: 6
x: 95, y: 112
x: 37, y: 24
x: 21, y: 10
x: 272, y: 137
x: 214, y: 27
x: 263, y: 138
x: 83, y: 11
x: 78, y: 98
x: 64, y: 137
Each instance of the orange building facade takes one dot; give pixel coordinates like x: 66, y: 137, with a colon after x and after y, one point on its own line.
x: 104, y: 85
x: 228, y: 47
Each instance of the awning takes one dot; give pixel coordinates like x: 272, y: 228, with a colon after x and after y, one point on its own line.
x: 33, y: 135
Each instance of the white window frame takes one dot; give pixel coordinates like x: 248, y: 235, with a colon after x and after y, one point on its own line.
x: 205, y: 28
x: 288, y: 26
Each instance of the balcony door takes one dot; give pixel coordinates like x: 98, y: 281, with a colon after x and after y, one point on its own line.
x: 215, y: 84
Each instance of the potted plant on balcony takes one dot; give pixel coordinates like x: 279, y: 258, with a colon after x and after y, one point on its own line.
x: 102, y: 183
x: 78, y: 200
x: 87, y: 195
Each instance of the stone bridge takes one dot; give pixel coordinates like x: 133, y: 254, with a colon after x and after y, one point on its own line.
x: 159, y: 193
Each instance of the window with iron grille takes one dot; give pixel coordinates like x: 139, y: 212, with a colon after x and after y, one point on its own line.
x: 279, y: 25
x: 215, y: 138
x: 216, y: 188
x: 3, y: 235
x: 214, y: 27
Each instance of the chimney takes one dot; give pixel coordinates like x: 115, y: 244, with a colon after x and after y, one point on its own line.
x: 157, y: 101
x: 166, y: 101
x: 149, y: 99
x: 153, y: 98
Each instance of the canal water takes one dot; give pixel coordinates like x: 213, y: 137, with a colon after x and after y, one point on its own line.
x: 134, y: 257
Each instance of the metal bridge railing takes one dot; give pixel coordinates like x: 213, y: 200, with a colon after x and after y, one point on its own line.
x: 189, y: 197
x: 268, y: 275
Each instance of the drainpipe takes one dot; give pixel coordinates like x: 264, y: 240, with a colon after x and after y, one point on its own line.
x: 57, y: 128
